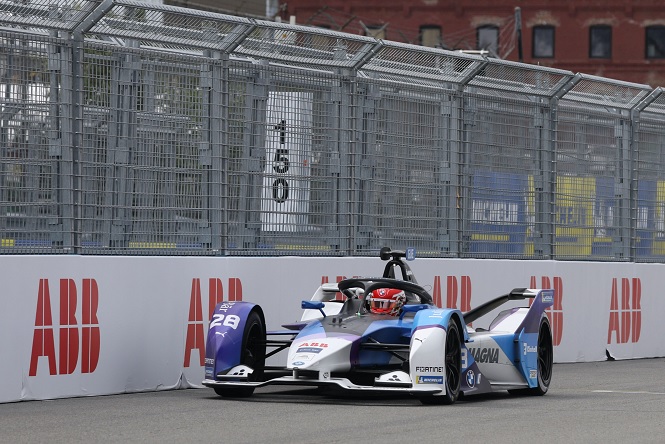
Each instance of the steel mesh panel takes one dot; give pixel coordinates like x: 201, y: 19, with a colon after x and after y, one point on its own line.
x: 46, y: 14
x: 398, y: 80
x: 170, y: 131
x: 141, y: 158
x: 586, y: 143
x: 408, y: 61
x: 301, y: 45
x: 520, y: 78
x: 605, y: 92
x: 502, y: 147
x: 95, y: 216
x: 30, y: 186
x: 650, y: 169
x: 278, y: 129
x: 588, y: 164
x: 403, y: 154
x: 168, y: 27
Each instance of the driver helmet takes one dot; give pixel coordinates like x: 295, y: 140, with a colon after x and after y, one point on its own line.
x: 386, y: 301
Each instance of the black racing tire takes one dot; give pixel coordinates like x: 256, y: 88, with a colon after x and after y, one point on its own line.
x: 545, y: 358
x: 453, y: 368
x: 252, y: 354
x: 545, y: 352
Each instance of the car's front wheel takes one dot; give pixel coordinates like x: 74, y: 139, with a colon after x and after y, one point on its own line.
x: 252, y: 354
x: 453, y: 367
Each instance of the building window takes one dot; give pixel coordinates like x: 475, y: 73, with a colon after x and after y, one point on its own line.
x: 600, y: 42
x: 488, y: 39
x: 430, y: 36
x: 655, y: 42
x: 543, y: 41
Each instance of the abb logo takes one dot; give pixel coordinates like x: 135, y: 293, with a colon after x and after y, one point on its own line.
x: 339, y: 296
x: 43, y: 340
x: 453, y: 290
x: 314, y: 344
x: 554, y: 313
x: 626, y: 320
x: 195, y: 332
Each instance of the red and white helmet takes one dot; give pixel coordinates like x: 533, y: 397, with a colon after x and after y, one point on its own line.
x: 386, y: 301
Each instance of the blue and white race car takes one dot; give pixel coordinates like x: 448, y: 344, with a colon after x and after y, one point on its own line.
x: 385, y: 335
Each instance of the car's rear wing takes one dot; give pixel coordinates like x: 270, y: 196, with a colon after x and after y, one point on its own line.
x: 481, y: 310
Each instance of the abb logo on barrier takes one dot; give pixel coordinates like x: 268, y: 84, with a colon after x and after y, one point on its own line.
x: 452, y: 290
x: 339, y: 296
x: 195, y: 326
x: 43, y: 340
x: 555, y: 312
x: 625, y: 320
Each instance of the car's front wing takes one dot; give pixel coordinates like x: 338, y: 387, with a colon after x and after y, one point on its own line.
x: 392, y: 382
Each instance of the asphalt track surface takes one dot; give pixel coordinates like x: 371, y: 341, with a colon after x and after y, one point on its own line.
x: 601, y: 402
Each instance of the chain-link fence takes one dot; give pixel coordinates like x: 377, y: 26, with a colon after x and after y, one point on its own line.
x: 131, y: 128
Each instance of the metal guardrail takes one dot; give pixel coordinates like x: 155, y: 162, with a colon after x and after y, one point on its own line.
x: 135, y: 128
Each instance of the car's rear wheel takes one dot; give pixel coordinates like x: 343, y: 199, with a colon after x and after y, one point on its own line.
x: 545, y: 358
x: 545, y: 350
x: 453, y: 367
x: 252, y: 354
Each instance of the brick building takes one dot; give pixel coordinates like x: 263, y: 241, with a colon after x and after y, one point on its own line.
x: 619, y: 39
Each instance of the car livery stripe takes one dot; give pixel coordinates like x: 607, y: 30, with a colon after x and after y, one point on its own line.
x: 423, y: 327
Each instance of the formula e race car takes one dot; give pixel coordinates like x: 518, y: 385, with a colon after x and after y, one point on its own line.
x: 385, y: 335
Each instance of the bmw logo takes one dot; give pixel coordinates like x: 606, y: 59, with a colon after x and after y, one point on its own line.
x: 470, y: 379
x: 297, y: 363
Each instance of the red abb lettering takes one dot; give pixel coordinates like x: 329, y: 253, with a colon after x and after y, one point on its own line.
x: 90, y: 330
x: 554, y: 313
x: 195, y: 335
x: 465, y: 294
x: 436, y: 291
x: 69, y: 336
x: 452, y: 292
x: 42, y: 340
x: 637, y: 309
x: 625, y: 321
x: 314, y: 344
x: 195, y: 339
x: 43, y: 343
x: 338, y: 296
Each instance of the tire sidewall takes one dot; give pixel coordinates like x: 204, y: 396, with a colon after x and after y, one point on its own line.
x: 543, y: 385
x: 452, y: 395
x: 254, y: 321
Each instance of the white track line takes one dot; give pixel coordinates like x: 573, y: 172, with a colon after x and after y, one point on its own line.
x: 626, y: 392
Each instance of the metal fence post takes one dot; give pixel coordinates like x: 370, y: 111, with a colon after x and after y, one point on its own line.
x: 211, y: 151
x: 633, y: 145
x: 625, y: 193
x: 545, y: 185
x: 347, y: 182
x: 447, y: 228
x: 466, y: 109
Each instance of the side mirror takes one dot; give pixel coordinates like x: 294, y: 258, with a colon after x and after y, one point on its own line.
x: 313, y: 305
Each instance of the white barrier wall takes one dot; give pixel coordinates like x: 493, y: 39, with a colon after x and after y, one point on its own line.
x: 77, y: 325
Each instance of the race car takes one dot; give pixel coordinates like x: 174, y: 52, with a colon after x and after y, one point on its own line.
x: 385, y: 335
